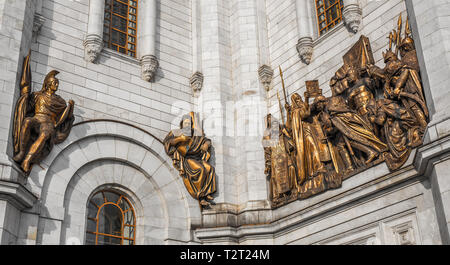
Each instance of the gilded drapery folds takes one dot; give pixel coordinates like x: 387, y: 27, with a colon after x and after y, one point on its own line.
x: 189, y: 150
x: 374, y: 115
x: 41, y: 119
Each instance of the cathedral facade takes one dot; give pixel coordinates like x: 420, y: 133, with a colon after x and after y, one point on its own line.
x: 224, y: 122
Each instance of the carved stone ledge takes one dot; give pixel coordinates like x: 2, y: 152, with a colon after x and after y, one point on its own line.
x: 265, y: 73
x: 16, y: 194
x: 149, y: 66
x: 37, y: 25
x: 352, y: 17
x: 93, y: 45
x: 196, y: 82
x: 305, y: 49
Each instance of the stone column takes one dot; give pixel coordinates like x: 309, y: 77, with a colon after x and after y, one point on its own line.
x: 196, y: 80
x: 249, y: 50
x: 93, y: 44
x: 147, y: 39
x: 265, y: 70
x: 216, y: 93
x: 305, y: 30
x: 352, y: 14
x: 440, y: 185
x: 433, y: 51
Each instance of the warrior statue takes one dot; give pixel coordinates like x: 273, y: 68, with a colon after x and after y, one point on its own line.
x: 41, y: 119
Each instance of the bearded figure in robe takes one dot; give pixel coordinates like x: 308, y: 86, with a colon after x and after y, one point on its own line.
x: 190, y: 152
x: 41, y: 119
x: 307, y: 156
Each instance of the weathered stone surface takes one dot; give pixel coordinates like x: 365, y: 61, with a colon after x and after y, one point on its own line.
x: 228, y: 42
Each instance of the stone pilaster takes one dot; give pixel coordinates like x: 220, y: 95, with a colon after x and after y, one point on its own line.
x: 93, y: 43
x: 250, y: 95
x: 433, y: 51
x: 216, y: 93
x: 147, y: 39
x: 305, y: 30
x: 37, y: 25
x: 196, y: 80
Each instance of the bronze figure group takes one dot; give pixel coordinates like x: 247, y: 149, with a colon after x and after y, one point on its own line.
x: 374, y: 114
x: 41, y: 119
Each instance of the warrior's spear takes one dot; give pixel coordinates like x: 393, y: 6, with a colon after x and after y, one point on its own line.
x: 399, y: 32
x: 282, y: 84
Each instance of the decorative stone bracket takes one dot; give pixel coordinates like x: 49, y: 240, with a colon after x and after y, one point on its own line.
x: 93, y: 45
x: 305, y: 49
x: 149, y: 66
x: 265, y: 73
x: 352, y: 14
x: 37, y: 25
x: 196, y: 82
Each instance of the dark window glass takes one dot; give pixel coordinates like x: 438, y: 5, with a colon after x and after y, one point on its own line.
x: 119, y: 32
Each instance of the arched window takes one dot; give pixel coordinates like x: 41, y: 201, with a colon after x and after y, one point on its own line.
x: 120, y: 26
x: 111, y: 220
x: 329, y: 14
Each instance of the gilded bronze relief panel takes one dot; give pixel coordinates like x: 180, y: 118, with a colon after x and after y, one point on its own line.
x: 374, y: 114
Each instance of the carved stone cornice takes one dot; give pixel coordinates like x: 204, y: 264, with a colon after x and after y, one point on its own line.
x: 149, y: 66
x: 265, y: 73
x: 352, y: 17
x: 196, y: 82
x: 38, y: 21
x: 93, y: 45
x: 16, y: 194
x: 305, y: 49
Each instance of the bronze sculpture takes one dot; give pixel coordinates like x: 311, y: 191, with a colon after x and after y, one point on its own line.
x: 279, y: 167
x: 190, y: 152
x: 41, y: 119
x: 374, y: 115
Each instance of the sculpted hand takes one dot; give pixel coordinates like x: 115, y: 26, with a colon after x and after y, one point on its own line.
x: 287, y: 107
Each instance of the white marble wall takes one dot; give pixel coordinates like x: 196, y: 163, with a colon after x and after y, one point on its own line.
x: 16, y: 23
x: 113, y: 88
x: 110, y: 89
x: 232, y: 40
x: 374, y: 207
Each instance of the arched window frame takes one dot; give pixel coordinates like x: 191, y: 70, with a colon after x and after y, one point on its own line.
x: 115, y: 204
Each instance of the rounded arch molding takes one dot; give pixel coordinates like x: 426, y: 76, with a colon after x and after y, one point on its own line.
x: 118, y: 155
